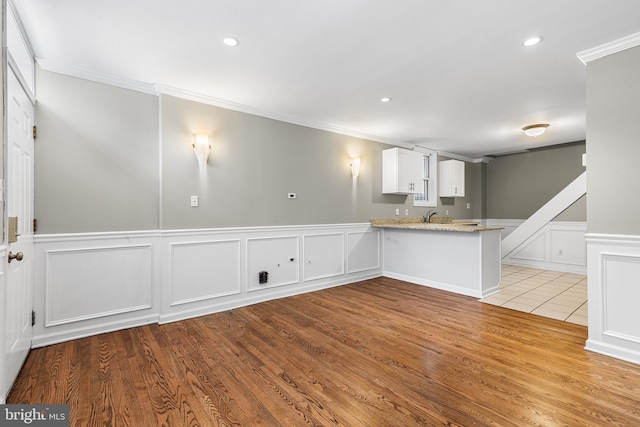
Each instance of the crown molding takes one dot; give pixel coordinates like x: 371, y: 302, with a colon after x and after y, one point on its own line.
x: 230, y: 105
x: 159, y: 88
x: 97, y: 77
x: 610, y: 48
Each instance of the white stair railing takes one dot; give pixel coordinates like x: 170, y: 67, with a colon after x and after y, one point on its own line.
x: 545, y: 214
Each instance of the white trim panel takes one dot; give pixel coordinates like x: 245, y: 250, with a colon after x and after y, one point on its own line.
x: 363, y: 252
x: 19, y: 55
x: 614, y: 292
x: 558, y: 246
x: 91, y: 283
x: 323, y: 256
x: 120, y: 278
x: 278, y: 256
x: 204, y: 270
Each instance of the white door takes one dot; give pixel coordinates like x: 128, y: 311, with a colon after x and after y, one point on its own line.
x: 19, y: 193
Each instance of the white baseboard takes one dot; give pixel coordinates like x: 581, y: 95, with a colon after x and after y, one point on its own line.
x: 442, y: 286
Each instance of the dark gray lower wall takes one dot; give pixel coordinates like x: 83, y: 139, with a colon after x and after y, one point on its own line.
x: 519, y: 184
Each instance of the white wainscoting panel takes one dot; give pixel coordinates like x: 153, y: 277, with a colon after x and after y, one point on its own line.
x: 323, y: 256
x: 88, y: 283
x: 559, y: 246
x: 204, y: 270
x: 621, y: 290
x: 278, y: 256
x: 91, y: 283
x: 363, y: 252
x: 568, y: 246
x: 614, y: 292
x: 534, y: 250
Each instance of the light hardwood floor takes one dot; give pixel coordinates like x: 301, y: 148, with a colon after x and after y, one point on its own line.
x: 376, y: 353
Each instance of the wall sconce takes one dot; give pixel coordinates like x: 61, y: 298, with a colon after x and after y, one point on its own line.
x: 201, y: 147
x: 355, y: 167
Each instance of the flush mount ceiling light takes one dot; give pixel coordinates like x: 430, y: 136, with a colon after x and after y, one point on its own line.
x: 230, y: 41
x: 385, y: 99
x: 535, y: 130
x: 532, y: 41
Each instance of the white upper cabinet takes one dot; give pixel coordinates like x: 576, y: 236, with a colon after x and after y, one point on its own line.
x: 402, y: 171
x: 451, y: 178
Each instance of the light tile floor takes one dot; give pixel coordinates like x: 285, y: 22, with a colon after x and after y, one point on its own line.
x: 547, y: 293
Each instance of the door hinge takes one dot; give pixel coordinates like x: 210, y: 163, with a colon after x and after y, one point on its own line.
x: 33, y: 317
x: 35, y: 132
x: 35, y: 225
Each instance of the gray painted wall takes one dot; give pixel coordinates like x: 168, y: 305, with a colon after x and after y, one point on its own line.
x: 519, y: 184
x: 253, y: 164
x: 256, y: 161
x: 98, y: 165
x: 96, y: 157
x: 613, y: 147
x: 100, y: 147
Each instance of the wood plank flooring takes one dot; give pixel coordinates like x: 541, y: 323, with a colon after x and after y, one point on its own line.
x: 375, y: 353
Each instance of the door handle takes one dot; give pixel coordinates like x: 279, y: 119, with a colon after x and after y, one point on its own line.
x: 18, y: 257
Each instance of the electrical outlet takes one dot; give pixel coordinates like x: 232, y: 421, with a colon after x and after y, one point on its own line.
x: 194, y: 201
x: 406, y: 212
x: 468, y: 205
x: 447, y: 212
x: 397, y: 212
x: 560, y: 252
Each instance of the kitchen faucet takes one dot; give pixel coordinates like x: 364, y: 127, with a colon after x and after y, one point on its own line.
x: 427, y: 217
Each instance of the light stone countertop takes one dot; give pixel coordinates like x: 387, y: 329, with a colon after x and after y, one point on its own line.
x: 419, y: 224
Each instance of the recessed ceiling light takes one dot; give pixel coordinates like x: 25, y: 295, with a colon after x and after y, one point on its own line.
x: 532, y: 41
x: 385, y: 99
x: 230, y: 41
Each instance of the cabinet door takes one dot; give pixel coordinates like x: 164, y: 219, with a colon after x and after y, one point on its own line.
x: 401, y: 171
x: 451, y: 178
x: 409, y: 172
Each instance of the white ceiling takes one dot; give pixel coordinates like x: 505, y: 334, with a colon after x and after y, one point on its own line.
x: 459, y: 77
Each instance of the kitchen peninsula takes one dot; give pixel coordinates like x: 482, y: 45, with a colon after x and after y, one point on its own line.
x: 459, y: 257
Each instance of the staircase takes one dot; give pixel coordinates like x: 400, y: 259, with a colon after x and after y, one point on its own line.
x: 545, y: 214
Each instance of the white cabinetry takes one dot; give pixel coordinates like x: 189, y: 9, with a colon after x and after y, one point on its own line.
x: 402, y: 171
x: 451, y: 178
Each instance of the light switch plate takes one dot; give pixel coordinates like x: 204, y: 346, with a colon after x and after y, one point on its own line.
x: 194, y: 201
